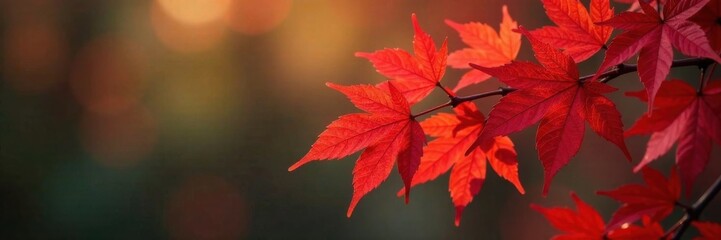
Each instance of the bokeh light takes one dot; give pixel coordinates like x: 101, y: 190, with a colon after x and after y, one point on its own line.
x: 108, y: 75
x: 253, y: 17
x: 35, y: 50
x: 313, y: 40
x: 383, y: 12
x: 202, y: 91
x: 195, y: 12
x: 206, y: 207
x: 185, y: 38
x: 121, y: 140
x: 178, y: 119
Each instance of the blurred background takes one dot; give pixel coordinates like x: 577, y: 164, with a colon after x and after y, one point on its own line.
x: 178, y: 119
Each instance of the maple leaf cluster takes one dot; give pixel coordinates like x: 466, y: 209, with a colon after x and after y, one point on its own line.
x: 552, y: 93
x: 650, y: 203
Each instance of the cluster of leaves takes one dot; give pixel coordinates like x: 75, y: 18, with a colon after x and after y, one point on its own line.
x: 552, y: 93
x: 650, y: 203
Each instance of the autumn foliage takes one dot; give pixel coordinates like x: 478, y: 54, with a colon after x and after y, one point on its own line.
x: 554, y: 94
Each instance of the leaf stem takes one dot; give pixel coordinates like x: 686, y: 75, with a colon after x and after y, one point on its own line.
x: 450, y: 93
x: 433, y: 109
x: 708, y: 74
x: 500, y: 91
x: 696, y: 209
x: 702, y: 80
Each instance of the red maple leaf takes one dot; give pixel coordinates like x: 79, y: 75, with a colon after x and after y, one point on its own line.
x: 652, y: 36
x: 709, y: 19
x: 414, y: 75
x: 553, y: 94
x: 680, y: 113
x: 585, y: 223
x: 657, y: 199
x: 708, y: 230
x: 488, y: 48
x: 455, y: 134
x: 576, y: 32
x: 648, y: 231
x: 387, y: 132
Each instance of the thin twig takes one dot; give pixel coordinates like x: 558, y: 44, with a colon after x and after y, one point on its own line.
x: 695, y: 211
x: 432, y: 109
x: 500, y: 91
x: 709, y: 75
x: 449, y: 93
x: 702, y: 80
x: 604, y: 77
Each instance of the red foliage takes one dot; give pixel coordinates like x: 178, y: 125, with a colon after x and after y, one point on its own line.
x: 414, y: 75
x: 487, y: 48
x: 552, y: 93
x: 585, y: 223
x: 681, y: 114
x: 387, y: 132
x: 652, y: 35
x: 708, y: 230
x: 576, y: 32
x: 657, y: 199
x: 455, y: 134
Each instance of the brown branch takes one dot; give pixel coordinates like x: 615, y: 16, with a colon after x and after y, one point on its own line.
x: 693, y: 212
x: 604, y: 77
x: 708, y: 73
x: 449, y: 93
x: 449, y: 103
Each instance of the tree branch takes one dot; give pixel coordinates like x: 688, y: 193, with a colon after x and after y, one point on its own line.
x: 709, y: 74
x: 693, y: 213
x: 604, y: 77
x: 702, y: 80
x: 449, y: 103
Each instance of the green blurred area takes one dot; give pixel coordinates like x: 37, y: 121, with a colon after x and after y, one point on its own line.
x: 178, y: 119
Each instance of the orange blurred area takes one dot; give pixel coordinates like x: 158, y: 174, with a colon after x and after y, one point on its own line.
x: 178, y: 119
x: 194, y: 12
x: 35, y: 51
x: 253, y: 17
x: 206, y: 207
x: 310, y: 42
x: 121, y: 140
x: 108, y: 75
x: 200, y: 93
x: 186, y: 38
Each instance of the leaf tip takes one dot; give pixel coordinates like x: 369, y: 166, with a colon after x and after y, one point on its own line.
x: 400, y: 193
x: 457, y: 26
x: 407, y: 192
x: 546, y: 187
x: 536, y: 207
x: 472, y: 148
x: 296, y: 165
x: 638, y: 167
x: 416, y: 27
x: 353, y: 203
x: 522, y: 30
x: 362, y: 54
x: 459, y: 213
x: 476, y: 66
